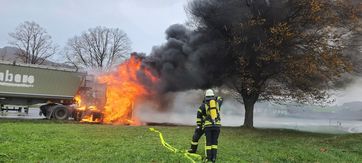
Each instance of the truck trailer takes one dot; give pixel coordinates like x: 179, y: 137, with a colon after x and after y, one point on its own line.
x: 52, y: 89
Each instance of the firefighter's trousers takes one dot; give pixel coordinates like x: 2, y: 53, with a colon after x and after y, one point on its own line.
x: 212, y: 135
x: 199, y: 131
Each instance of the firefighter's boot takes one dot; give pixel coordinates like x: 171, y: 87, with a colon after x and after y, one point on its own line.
x: 213, y: 153
x: 193, y: 148
x: 208, y: 155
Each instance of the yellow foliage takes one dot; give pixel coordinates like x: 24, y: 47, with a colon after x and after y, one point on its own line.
x: 316, y: 6
x: 280, y: 33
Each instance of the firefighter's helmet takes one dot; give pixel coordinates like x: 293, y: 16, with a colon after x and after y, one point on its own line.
x: 209, y: 93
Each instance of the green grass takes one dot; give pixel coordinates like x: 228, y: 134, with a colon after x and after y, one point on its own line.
x: 49, y: 141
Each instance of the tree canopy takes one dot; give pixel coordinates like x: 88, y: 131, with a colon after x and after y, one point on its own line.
x: 34, y: 43
x: 99, y: 47
x: 282, y: 49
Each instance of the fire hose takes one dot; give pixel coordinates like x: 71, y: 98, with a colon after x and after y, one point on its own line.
x: 190, y: 156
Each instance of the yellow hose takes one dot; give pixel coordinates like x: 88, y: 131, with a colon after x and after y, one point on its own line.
x: 190, y: 156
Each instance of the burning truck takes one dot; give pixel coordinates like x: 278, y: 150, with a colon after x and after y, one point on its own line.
x: 63, y: 94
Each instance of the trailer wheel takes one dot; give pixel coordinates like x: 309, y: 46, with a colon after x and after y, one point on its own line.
x: 47, y: 110
x: 60, y: 112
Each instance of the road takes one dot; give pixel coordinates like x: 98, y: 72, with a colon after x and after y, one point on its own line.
x: 310, y: 125
x: 33, y: 114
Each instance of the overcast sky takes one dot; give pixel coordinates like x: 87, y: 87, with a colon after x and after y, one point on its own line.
x: 143, y: 20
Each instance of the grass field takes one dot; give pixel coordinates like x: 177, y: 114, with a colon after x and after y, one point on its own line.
x: 48, y: 141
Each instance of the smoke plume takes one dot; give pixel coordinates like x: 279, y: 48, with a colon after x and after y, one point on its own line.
x: 200, y: 58
x: 188, y: 60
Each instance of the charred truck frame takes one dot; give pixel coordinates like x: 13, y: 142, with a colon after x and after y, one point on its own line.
x: 53, y: 89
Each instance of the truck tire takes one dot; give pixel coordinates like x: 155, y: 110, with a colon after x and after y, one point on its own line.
x: 60, y: 112
x: 47, y: 110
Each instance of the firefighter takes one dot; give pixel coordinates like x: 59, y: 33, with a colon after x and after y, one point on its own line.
x: 212, y: 124
x: 208, y: 120
x: 199, y: 130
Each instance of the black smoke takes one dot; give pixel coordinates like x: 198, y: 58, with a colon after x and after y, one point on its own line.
x: 200, y: 57
x: 189, y: 60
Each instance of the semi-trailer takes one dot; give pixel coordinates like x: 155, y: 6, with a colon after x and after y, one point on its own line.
x: 52, y: 89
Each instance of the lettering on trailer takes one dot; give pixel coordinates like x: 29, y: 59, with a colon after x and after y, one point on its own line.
x: 9, y: 79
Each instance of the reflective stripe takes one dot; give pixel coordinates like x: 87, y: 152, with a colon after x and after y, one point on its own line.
x: 214, y: 146
x: 199, y: 110
x: 207, y: 123
x: 194, y: 143
x: 208, y: 147
x: 198, y: 119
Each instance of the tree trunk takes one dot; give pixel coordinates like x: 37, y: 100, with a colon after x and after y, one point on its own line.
x: 249, y: 113
x: 249, y: 99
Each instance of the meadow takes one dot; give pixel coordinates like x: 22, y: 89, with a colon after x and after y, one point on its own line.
x: 67, y: 141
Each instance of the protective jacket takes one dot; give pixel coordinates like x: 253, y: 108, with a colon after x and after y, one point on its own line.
x: 208, y: 113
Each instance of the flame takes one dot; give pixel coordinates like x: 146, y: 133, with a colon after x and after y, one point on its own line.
x: 90, y: 115
x: 78, y: 100
x: 123, y: 89
x: 87, y: 113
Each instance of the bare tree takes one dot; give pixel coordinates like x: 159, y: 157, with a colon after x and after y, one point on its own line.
x: 99, y: 47
x: 34, y: 43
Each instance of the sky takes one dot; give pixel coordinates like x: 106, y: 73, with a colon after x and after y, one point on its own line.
x: 145, y: 21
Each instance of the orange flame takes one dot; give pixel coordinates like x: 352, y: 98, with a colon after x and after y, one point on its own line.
x: 123, y: 90
x: 89, y: 115
x: 78, y: 100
